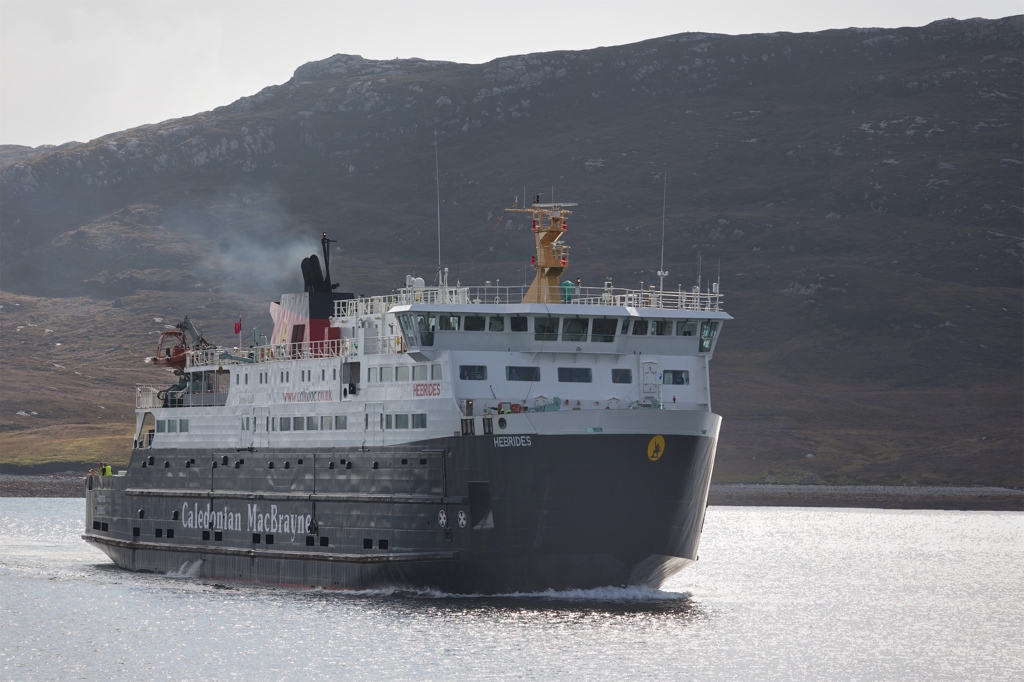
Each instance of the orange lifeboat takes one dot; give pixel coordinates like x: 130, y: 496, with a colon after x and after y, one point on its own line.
x: 170, y: 350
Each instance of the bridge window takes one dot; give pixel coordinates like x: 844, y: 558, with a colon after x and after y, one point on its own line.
x: 676, y: 377
x: 603, y: 330
x: 686, y: 328
x: 496, y: 323
x: 545, y: 328
x: 473, y: 372
x: 448, y: 323
x: 474, y: 323
x: 575, y: 328
x: 519, y: 323
x: 622, y: 376
x: 576, y: 375
x: 426, y: 325
x: 640, y: 327
x: 522, y: 373
x: 408, y: 329
x: 661, y: 327
x: 707, y: 335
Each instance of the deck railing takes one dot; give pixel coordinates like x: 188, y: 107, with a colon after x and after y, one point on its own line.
x: 609, y: 296
x: 335, y: 348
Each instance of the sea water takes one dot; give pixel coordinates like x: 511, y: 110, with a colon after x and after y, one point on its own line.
x: 778, y: 593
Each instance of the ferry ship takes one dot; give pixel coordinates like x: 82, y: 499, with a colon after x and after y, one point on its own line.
x: 468, y: 439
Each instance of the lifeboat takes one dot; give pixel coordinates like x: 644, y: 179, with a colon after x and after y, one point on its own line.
x: 170, y: 350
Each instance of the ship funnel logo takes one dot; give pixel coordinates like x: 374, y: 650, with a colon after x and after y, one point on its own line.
x: 656, y: 448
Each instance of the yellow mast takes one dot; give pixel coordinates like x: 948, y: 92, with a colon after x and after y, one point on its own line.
x: 549, y: 224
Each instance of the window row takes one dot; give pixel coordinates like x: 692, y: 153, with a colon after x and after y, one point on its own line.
x: 572, y: 375
x: 337, y: 422
x: 552, y: 328
x: 285, y: 376
x: 172, y: 426
x: 403, y: 421
x: 376, y: 375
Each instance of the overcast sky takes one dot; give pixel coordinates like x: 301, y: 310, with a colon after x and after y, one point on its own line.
x: 79, y: 69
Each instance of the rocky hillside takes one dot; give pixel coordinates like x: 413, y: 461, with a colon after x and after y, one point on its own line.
x: 858, y: 192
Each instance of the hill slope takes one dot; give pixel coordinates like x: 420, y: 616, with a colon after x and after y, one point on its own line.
x: 858, y: 192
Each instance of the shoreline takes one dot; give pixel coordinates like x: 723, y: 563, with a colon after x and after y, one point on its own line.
x: 964, y: 498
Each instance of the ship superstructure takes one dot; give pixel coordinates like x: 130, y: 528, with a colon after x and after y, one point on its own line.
x: 469, y: 439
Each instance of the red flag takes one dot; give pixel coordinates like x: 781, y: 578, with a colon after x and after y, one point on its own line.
x: 238, y: 325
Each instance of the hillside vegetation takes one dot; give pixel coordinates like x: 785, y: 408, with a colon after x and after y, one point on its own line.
x: 857, y: 192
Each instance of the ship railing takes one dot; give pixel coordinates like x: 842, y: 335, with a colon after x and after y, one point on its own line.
x: 303, y: 350
x: 146, y: 397
x: 698, y: 301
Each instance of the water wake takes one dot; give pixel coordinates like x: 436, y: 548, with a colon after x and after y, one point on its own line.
x: 188, y: 571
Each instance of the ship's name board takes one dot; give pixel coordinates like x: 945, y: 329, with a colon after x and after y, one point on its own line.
x: 307, y: 396
x: 512, y: 442
x: 426, y: 390
x: 257, y: 520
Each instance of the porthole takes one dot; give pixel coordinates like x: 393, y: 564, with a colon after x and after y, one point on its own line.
x: 502, y: 423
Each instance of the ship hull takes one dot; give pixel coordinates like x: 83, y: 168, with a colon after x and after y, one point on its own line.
x: 476, y: 514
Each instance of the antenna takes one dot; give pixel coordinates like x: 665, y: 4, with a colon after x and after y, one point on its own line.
x: 437, y: 182
x: 662, y: 273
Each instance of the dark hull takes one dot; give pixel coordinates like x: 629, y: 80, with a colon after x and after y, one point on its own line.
x: 547, y: 512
